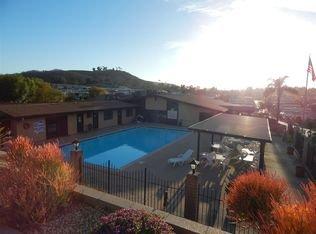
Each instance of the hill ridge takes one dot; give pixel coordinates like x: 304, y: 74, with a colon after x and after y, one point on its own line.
x: 110, y: 78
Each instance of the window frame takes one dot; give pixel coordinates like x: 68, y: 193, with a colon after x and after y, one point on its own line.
x: 129, y: 112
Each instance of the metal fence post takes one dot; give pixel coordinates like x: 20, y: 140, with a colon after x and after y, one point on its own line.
x: 145, y: 182
x: 165, y: 200
x: 109, y: 168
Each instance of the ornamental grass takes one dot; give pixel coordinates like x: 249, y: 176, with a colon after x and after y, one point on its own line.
x: 35, y: 184
x: 252, y: 196
x: 296, y: 217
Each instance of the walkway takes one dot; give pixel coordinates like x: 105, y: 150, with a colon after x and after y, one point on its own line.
x: 283, y: 165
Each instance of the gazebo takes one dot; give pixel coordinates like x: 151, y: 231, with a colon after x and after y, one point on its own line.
x: 238, y: 126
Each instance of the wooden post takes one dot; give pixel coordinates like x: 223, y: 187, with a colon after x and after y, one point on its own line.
x: 191, y: 197
x: 76, y: 159
x: 198, y: 147
x: 261, y: 157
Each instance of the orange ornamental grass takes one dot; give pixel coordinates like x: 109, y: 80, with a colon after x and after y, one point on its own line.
x: 251, y: 195
x: 35, y: 183
x: 310, y: 190
x: 296, y: 218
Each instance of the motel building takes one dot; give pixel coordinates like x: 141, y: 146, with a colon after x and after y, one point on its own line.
x: 185, y: 110
x: 52, y: 120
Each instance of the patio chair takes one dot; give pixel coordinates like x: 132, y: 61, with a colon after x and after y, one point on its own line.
x: 225, y: 163
x: 226, y: 150
x: 208, y: 159
x: 243, y: 151
x: 247, y: 151
x: 181, y: 158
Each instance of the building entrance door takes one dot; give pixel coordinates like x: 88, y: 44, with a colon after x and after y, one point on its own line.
x: 80, y: 122
x: 95, y: 119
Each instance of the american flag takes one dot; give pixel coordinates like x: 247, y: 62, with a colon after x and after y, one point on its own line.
x: 310, y: 69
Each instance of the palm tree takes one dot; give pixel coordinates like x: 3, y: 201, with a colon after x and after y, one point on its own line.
x: 277, y: 87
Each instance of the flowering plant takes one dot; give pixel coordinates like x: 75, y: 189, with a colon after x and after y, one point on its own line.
x: 135, y: 221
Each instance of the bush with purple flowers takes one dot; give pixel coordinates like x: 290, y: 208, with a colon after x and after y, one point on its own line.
x: 135, y: 221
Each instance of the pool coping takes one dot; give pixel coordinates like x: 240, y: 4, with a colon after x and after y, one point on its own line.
x: 148, y: 125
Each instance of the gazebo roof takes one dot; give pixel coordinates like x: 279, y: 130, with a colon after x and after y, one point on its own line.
x: 248, y: 127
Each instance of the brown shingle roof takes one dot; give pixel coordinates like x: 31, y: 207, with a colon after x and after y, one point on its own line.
x: 39, y: 109
x: 197, y: 100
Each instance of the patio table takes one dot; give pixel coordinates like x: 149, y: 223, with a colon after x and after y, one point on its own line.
x: 219, y: 157
x: 215, y: 147
x: 248, y: 158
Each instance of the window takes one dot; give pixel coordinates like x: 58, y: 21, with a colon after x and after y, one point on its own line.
x: 172, y: 105
x: 107, y: 114
x: 52, y: 128
x: 129, y: 112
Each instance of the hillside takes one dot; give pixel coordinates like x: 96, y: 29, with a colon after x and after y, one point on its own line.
x: 108, y: 78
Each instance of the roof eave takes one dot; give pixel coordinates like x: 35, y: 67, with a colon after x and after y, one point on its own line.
x: 217, y: 108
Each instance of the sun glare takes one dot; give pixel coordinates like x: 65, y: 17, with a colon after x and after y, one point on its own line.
x: 247, y: 43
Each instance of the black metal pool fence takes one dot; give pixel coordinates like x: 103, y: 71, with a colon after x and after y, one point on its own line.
x: 144, y: 187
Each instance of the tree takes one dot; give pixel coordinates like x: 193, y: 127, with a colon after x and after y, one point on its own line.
x: 19, y: 89
x: 277, y: 87
x: 97, y: 91
x: 45, y: 93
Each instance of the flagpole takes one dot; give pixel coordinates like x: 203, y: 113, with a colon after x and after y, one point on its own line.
x: 305, y: 101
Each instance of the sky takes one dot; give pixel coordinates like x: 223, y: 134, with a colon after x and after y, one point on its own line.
x: 228, y: 44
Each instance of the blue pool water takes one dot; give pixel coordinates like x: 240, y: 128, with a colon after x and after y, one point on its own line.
x: 123, y: 147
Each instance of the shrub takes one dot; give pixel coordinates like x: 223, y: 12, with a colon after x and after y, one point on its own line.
x: 135, y: 221
x: 250, y: 197
x: 35, y: 183
x: 310, y: 190
x: 292, y: 218
x: 295, y: 218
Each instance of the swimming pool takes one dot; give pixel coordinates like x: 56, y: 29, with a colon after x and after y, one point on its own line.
x: 125, y: 146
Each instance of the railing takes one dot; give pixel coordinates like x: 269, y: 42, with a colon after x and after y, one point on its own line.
x: 212, y: 211
x: 144, y: 187
x: 139, y: 186
x: 299, y: 143
x: 311, y: 158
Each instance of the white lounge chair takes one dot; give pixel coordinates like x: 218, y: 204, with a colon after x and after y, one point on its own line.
x: 181, y: 158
